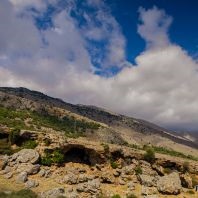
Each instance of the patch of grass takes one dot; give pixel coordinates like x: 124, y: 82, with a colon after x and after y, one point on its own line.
x: 131, y: 196
x: 138, y: 170
x: 25, y: 193
x: 116, y: 196
x: 190, y: 192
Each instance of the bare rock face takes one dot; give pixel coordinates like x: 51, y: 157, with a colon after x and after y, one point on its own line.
x: 31, y: 184
x: 31, y: 169
x: 147, y: 180
x: 169, y: 184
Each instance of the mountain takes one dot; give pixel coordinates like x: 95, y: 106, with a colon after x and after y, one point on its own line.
x: 90, y: 121
x: 50, y: 148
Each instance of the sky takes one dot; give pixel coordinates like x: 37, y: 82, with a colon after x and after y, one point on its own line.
x: 138, y: 58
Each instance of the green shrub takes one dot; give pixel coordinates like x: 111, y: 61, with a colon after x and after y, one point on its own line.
x: 29, y: 144
x: 149, y: 156
x: 116, y: 196
x: 138, y: 170
x: 14, y: 136
x: 58, y: 157
x: 131, y: 196
x: 106, y: 148
x: 114, y: 164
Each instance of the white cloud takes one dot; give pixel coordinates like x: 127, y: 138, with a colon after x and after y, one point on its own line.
x: 160, y: 88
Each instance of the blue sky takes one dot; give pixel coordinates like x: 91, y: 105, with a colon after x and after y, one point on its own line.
x: 137, y: 58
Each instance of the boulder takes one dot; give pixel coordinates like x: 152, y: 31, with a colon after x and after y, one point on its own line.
x: 53, y: 193
x: 169, y: 184
x: 186, y: 180
x: 71, y: 178
x: 107, y: 177
x: 31, y: 169
x: 22, y: 177
x: 8, y: 175
x: 25, y: 156
x: 147, y: 180
x: 31, y: 184
x: 146, y: 191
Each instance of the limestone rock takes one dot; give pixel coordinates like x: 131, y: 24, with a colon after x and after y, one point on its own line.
x: 147, y: 180
x: 71, y: 178
x: 31, y: 184
x: 25, y: 156
x: 31, y: 169
x: 146, y: 191
x: 53, y: 193
x: 186, y: 180
x: 169, y: 184
x: 107, y: 177
x: 22, y: 177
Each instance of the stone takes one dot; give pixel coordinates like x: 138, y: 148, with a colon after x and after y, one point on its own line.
x: 186, y: 181
x: 7, y: 169
x: 31, y: 184
x: 70, y: 178
x: 169, y: 184
x: 8, y: 175
x: 147, y: 180
x: 128, y: 170
x: 107, y: 177
x: 83, y: 178
x: 31, y: 169
x: 22, y: 177
x: 149, y: 190
x: 159, y: 169
x: 25, y: 156
x: 131, y: 185
x: 53, y: 193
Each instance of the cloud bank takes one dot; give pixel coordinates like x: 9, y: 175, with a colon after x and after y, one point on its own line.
x: 63, y: 60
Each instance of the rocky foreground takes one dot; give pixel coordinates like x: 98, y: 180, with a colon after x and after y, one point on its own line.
x: 92, y: 169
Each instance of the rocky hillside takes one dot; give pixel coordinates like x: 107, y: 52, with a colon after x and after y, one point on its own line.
x: 53, y: 149
x: 101, y: 124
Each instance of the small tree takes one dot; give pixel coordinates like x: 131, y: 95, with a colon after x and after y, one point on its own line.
x: 149, y: 156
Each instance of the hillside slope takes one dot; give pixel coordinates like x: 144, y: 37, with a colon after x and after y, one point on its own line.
x: 100, y: 124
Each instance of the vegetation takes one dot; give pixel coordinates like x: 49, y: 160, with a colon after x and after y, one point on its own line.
x: 70, y: 125
x: 131, y: 196
x: 106, y: 147
x: 149, y: 155
x: 114, y: 164
x: 190, y: 192
x: 138, y: 170
x: 185, y: 167
x: 29, y: 144
x: 26, y: 193
x: 56, y: 157
x: 194, y: 181
x: 14, y: 135
x: 116, y: 196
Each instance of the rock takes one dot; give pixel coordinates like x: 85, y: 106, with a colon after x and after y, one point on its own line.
x: 116, y: 172
x: 147, y: 169
x: 22, y: 177
x: 83, y: 178
x: 121, y: 181
x: 150, y: 196
x: 31, y: 169
x: 92, y: 187
x: 31, y: 184
x: 186, y: 181
x: 7, y: 169
x: 8, y: 175
x: 53, y: 193
x: 159, y: 169
x: 128, y: 170
x: 3, y: 162
x: 70, y: 178
x: 149, y: 190
x: 131, y: 185
x: 107, y: 177
x: 147, y: 180
x: 169, y: 184
x: 25, y: 156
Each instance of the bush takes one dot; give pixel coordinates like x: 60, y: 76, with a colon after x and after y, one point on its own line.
x: 138, y: 170
x: 29, y: 144
x: 114, y: 165
x: 190, y: 192
x: 47, y: 142
x: 116, y: 196
x: 58, y: 157
x: 14, y: 136
x: 149, y: 156
x: 106, y: 148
